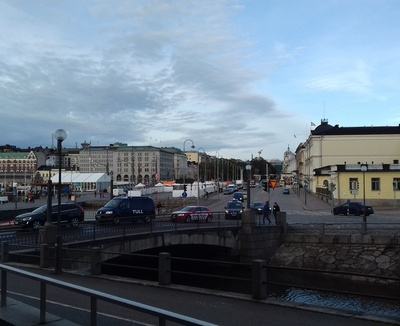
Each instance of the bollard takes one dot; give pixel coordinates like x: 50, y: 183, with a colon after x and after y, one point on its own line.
x: 322, y: 229
x: 164, y: 268
x: 95, y: 261
x: 44, y: 255
x: 259, y: 280
x: 4, y: 252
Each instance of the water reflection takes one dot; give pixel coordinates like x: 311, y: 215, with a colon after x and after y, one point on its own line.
x: 366, y: 305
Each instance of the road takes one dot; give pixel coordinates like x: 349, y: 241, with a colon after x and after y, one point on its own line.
x: 306, y: 209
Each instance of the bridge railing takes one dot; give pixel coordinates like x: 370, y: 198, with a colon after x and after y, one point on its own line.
x: 95, y: 296
x: 91, y: 230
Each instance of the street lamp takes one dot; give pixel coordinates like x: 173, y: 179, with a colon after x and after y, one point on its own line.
x: 198, y: 172
x: 60, y: 135
x: 49, y: 222
x: 364, y: 168
x: 248, y: 168
x: 184, y: 152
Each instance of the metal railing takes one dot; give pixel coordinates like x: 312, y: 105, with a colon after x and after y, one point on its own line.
x: 162, y: 315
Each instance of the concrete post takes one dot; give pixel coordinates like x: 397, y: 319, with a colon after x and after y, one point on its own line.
x: 259, y: 279
x: 164, y: 268
x: 4, y: 252
x: 281, y: 221
x: 44, y: 255
x: 95, y: 261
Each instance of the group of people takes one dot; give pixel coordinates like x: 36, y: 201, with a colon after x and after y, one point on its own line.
x: 267, y: 211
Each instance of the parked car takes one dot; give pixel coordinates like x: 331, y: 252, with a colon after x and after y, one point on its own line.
x: 71, y: 213
x: 192, y: 214
x: 233, y: 210
x: 353, y: 208
x: 130, y: 209
x: 286, y: 191
x: 238, y: 196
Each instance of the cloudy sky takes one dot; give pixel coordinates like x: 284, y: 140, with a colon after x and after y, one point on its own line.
x: 233, y: 76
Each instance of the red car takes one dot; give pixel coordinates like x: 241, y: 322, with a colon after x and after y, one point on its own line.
x: 192, y: 214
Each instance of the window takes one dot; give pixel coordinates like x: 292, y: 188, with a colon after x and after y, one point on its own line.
x: 396, y: 184
x: 353, y: 183
x: 375, y: 184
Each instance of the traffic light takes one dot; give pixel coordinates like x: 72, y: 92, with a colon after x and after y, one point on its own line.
x: 184, y: 188
x: 358, y: 185
x: 266, y: 188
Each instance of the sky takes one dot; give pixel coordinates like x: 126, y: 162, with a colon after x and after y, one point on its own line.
x: 239, y: 78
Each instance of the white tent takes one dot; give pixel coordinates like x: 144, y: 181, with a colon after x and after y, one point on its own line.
x: 140, y: 185
x: 84, y: 181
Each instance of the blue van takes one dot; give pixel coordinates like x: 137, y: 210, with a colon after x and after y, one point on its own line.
x: 127, y: 209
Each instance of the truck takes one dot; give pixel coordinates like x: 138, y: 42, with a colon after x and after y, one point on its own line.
x: 239, y: 184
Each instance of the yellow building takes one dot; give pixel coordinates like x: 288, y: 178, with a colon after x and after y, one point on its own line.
x: 335, y: 155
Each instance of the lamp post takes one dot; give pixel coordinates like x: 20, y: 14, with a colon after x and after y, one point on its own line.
x: 364, y: 168
x: 184, y: 152
x: 49, y: 222
x: 248, y: 168
x: 198, y: 172
x: 60, y: 135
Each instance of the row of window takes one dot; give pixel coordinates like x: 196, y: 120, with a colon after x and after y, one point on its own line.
x: 375, y: 184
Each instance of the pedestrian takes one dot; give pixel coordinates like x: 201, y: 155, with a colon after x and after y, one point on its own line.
x: 159, y: 206
x: 275, y: 210
x: 95, y: 193
x: 266, y: 211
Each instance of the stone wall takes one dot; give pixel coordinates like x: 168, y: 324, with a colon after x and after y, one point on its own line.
x: 355, y: 263
x: 371, y: 259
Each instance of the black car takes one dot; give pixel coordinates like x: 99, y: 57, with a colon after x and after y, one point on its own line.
x: 257, y: 207
x: 353, y: 208
x: 128, y: 209
x: 286, y: 191
x: 71, y: 213
x: 238, y: 196
x: 233, y: 210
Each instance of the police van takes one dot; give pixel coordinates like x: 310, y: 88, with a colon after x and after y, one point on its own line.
x: 127, y: 209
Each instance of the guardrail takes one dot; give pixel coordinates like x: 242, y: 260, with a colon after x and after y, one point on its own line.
x: 95, y: 296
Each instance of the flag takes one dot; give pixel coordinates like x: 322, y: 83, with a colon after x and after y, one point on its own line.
x: 312, y: 124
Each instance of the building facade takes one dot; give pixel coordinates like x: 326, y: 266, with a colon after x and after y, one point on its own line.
x: 334, y: 154
x: 17, y: 168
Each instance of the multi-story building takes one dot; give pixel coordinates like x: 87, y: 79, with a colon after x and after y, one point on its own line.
x: 336, y: 155
x: 17, y: 168
x: 133, y: 164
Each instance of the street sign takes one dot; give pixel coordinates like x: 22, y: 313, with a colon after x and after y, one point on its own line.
x: 273, y: 183
x: 354, y: 191
x: 184, y: 194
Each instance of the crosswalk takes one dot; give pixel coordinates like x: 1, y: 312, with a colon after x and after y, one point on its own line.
x: 307, y: 213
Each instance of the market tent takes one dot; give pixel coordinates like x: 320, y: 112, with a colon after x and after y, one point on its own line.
x: 140, y: 185
x: 84, y: 181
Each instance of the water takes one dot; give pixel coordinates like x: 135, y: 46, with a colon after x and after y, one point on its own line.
x: 356, y: 304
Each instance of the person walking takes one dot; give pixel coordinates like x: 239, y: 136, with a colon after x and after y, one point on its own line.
x: 266, y: 211
x: 275, y: 210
